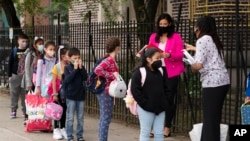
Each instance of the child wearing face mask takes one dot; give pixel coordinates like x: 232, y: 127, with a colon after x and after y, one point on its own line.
x: 44, y: 68
x: 15, y: 80
x: 32, y: 55
x: 31, y: 61
x: 57, y: 72
x: 152, y: 96
x: 74, y: 76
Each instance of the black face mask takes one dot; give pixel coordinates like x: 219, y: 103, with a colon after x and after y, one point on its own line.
x: 164, y: 29
x: 156, y: 64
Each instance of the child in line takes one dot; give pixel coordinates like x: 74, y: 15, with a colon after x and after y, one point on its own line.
x: 15, y: 80
x: 44, y: 68
x: 74, y: 76
x: 31, y: 61
x: 108, y: 69
x: 152, y: 96
x: 33, y: 54
x: 59, y: 131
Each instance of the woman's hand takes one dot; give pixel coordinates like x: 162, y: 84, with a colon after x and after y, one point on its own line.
x: 190, y: 47
x: 165, y: 55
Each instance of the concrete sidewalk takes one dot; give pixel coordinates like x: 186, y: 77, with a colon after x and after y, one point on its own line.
x: 13, y: 129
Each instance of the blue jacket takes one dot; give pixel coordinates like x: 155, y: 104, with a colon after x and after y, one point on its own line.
x: 74, y: 82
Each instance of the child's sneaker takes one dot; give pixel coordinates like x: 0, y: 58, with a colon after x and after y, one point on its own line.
x: 13, y: 115
x: 57, y: 134
x: 81, y: 139
x: 63, y: 133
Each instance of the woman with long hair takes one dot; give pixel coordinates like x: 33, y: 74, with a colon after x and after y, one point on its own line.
x: 209, y: 61
x: 170, y: 42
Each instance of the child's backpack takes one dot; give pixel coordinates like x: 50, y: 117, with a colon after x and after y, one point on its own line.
x: 94, y: 83
x: 21, y: 62
x: 130, y: 102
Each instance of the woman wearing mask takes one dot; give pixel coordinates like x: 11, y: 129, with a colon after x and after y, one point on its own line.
x: 170, y: 42
x: 209, y: 61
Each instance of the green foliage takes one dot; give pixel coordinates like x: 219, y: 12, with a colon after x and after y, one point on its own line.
x: 58, y: 7
x: 30, y: 6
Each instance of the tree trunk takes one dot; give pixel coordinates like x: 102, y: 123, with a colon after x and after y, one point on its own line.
x: 145, y: 15
x: 10, y: 12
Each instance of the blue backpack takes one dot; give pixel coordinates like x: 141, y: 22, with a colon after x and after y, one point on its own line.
x: 96, y: 84
x: 248, y: 85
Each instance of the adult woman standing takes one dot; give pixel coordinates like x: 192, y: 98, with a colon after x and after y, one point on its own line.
x: 214, y: 76
x: 108, y: 69
x: 171, y: 44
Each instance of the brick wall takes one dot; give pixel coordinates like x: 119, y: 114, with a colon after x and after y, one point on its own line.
x: 38, y: 20
x: 80, y: 9
x: 216, y: 10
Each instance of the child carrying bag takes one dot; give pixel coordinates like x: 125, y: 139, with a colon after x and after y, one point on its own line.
x: 130, y: 102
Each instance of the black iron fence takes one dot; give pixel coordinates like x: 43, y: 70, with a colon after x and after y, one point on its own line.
x: 90, y: 38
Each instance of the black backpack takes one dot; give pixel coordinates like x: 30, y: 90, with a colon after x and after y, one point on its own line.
x: 96, y: 84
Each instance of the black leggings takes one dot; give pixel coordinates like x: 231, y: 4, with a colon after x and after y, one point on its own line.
x: 212, y: 103
x: 61, y: 122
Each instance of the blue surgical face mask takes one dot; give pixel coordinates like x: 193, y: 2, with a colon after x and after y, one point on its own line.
x: 40, y: 48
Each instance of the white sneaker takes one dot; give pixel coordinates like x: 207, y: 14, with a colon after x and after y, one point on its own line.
x: 63, y: 133
x: 57, y: 134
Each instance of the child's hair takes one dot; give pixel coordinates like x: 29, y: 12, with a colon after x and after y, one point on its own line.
x: 63, y: 51
x: 37, y: 39
x: 23, y: 36
x: 49, y: 43
x: 73, y: 51
x: 111, y: 44
x: 46, y: 45
x: 147, y: 53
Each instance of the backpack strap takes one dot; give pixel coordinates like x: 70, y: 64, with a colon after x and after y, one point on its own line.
x: 143, y: 75
x: 14, y: 53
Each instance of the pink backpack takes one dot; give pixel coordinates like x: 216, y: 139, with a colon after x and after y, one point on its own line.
x: 131, y: 104
x: 53, y: 111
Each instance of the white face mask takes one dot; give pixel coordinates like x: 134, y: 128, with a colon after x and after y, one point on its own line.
x: 51, y: 53
x: 23, y: 44
x: 40, y: 48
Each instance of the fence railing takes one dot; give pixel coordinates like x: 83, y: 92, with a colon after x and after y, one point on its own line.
x: 90, y: 39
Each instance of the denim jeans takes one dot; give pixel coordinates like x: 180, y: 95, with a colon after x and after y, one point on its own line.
x: 149, y: 120
x: 106, y: 107
x: 72, y: 106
